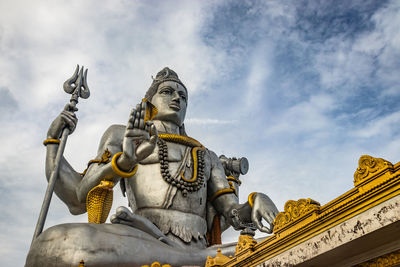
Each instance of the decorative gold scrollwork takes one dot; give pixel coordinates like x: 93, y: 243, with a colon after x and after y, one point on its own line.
x: 294, y: 210
x: 245, y: 242
x: 219, y: 259
x: 368, y: 165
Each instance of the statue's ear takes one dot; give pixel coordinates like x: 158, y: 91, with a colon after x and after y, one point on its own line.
x: 182, y: 130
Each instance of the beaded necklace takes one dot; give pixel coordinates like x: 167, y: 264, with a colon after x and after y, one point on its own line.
x: 179, y: 181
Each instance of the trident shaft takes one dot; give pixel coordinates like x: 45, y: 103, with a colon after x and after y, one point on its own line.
x: 77, y: 86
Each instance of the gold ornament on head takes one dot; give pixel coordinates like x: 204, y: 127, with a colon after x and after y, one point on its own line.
x: 151, y: 111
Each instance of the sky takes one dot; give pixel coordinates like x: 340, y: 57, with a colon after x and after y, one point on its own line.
x: 301, y: 89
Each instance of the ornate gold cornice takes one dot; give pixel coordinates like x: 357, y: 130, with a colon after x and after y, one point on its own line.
x: 369, y: 166
x: 295, y: 210
x: 376, y: 180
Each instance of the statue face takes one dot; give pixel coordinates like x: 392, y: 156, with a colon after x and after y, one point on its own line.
x: 171, y: 102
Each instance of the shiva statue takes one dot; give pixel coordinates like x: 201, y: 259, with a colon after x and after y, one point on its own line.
x: 174, y: 185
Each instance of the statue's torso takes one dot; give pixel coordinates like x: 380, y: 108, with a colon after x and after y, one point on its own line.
x: 164, y: 204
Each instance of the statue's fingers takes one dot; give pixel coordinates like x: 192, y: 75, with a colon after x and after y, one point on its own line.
x: 153, y: 140
x: 69, y: 122
x: 69, y: 113
x: 275, y: 213
x: 266, y: 230
x: 131, y: 119
x: 256, y: 219
x: 269, y: 217
x: 153, y: 130
x: 69, y: 119
x: 143, y: 111
x: 139, y: 108
x: 141, y: 119
x: 137, y: 118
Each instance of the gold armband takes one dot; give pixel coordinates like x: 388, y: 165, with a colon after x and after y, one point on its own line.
x: 105, y: 158
x: 233, y: 179
x: 251, y: 198
x: 118, y: 171
x: 51, y: 141
x: 222, y: 192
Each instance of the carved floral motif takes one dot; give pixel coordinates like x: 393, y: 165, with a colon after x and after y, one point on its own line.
x: 245, y: 242
x: 293, y: 210
x: 368, y: 165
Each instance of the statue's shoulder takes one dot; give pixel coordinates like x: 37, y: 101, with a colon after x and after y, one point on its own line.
x: 113, y: 135
x: 211, y: 155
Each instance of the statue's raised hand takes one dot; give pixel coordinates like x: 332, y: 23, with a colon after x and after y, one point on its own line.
x: 140, y: 138
x: 263, y: 208
x: 67, y: 118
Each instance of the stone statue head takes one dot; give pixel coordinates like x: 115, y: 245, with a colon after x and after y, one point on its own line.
x: 168, y: 82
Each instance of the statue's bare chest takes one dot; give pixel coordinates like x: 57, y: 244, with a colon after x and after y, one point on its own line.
x: 153, y: 189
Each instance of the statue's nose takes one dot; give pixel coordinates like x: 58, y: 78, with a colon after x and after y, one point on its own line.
x: 176, y: 97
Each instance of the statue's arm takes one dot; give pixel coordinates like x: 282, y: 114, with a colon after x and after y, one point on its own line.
x: 67, y: 179
x: 112, y: 141
x: 262, y: 208
x: 71, y: 187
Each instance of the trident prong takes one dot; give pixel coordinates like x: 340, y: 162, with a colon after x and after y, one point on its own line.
x: 77, y: 86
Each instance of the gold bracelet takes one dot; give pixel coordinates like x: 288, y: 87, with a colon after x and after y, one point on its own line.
x: 51, y: 141
x: 251, y: 198
x: 118, y: 171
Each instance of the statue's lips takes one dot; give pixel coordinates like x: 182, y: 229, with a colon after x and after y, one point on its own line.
x: 174, y: 106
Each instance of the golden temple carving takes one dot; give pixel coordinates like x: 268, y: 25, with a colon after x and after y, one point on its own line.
x: 219, y: 260
x: 245, y: 242
x: 294, y: 210
x: 368, y: 166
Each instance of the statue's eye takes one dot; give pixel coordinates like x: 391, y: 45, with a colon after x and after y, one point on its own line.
x: 183, y: 96
x: 166, y: 91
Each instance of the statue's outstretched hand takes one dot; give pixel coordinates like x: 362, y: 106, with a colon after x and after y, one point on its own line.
x: 140, y: 138
x: 263, y: 208
x: 66, y: 119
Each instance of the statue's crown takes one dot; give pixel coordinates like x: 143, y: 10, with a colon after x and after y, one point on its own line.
x: 166, y: 74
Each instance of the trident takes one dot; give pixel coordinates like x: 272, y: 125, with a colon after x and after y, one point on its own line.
x: 77, y: 86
